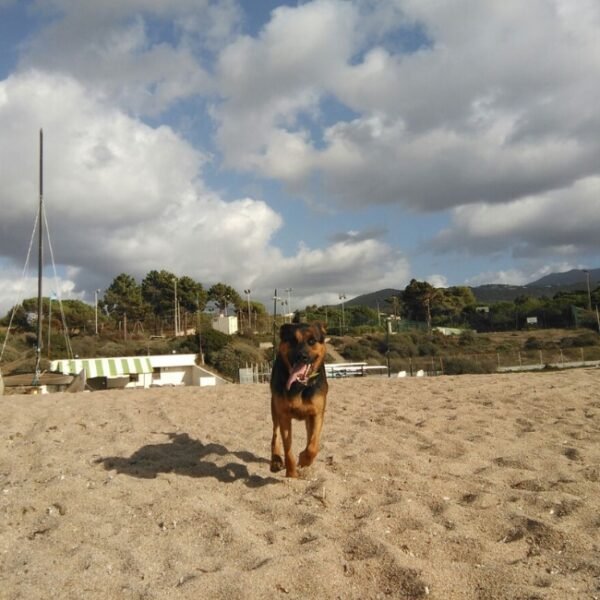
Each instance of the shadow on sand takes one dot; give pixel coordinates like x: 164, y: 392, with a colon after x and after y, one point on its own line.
x: 186, y: 456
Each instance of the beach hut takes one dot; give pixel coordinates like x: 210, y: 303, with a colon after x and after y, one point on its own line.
x: 138, y: 371
x: 108, y: 373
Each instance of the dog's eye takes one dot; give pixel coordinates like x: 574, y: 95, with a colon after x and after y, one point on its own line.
x: 312, y: 342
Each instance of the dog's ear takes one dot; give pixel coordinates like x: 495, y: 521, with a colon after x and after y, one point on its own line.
x: 287, y: 332
x: 320, y: 327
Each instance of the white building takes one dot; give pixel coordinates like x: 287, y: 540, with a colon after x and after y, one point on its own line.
x: 227, y: 325
x: 138, y: 371
x: 179, y: 369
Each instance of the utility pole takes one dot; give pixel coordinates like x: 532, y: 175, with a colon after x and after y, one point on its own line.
x: 247, y: 292
x: 289, y: 295
x: 49, y: 324
x: 342, y: 297
x: 275, y: 298
x: 199, y: 329
x: 587, y: 273
x: 38, y: 349
x: 175, y: 324
x: 96, y: 292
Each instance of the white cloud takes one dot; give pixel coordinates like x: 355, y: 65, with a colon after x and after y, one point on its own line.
x: 268, y: 82
x: 563, y: 222
x: 437, y: 280
x: 357, y: 103
x: 520, y: 276
x: 123, y: 197
x: 499, y: 106
x: 143, y: 55
x: 119, y: 196
x: 16, y: 286
x: 352, y: 266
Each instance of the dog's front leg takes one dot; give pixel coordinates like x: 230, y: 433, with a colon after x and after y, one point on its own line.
x: 313, y: 435
x: 285, y: 426
x: 276, y: 455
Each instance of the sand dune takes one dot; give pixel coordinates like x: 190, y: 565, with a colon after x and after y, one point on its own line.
x: 472, y: 487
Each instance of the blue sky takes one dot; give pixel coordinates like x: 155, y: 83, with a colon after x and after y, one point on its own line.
x: 328, y: 146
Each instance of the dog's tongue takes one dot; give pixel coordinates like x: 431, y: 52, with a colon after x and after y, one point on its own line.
x: 299, y: 370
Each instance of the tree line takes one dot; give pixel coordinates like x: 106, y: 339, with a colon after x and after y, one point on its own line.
x: 421, y: 305
x: 158, y: 298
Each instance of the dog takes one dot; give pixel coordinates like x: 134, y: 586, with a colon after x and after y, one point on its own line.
x: 298, y: 391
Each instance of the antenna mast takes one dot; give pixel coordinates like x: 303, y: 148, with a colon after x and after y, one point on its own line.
x: 38, y: 349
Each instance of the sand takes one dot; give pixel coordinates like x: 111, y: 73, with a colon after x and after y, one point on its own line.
x: 471, y: 487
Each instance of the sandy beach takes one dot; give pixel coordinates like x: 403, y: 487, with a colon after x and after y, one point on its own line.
x: 472, y: 487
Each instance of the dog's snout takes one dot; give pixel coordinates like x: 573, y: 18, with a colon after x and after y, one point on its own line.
x: 302, y: 354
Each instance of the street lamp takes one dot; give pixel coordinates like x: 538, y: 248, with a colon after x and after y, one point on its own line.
x: 199, y: 328
x: 289, y: 300
x: 275, y: 299
x: 587, y: 273
x: 342, y: 297
x: 96, y: 292
x: 247, y: 292
x: 175, y: 324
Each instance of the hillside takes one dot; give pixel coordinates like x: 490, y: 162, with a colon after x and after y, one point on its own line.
x: 574, y: 277
x: 375, y: 299
x: 548, y: 286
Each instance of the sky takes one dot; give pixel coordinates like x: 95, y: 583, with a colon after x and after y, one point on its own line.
x: 330, y: 147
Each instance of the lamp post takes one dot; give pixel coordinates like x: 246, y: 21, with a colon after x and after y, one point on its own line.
x: 96, y: 292
x: 275, y: 299
x: 342, y: 297
x: 49, y: 322
x: 199, y: 329
x: 587, y: 273
x: 388, y: 330
x: 247, y: 292
x: 289, y: 300
x: 175, y: 327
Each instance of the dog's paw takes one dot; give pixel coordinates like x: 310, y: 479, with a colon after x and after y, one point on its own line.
x: 276, y: 464
x: 306, y: 458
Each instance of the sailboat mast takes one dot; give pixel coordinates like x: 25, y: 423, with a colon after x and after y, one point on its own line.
x: 38, y: 350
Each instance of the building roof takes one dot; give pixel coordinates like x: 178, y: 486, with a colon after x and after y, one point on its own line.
x: 103, y: 367
x: 172, y: 360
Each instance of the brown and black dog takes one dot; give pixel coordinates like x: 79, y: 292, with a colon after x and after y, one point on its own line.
x: 298, y: 391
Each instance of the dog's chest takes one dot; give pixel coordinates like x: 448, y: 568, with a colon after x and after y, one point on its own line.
x: 299, y: 408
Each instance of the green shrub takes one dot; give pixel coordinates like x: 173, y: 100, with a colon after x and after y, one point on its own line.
x: 187, y: 345
x: 213, y: 341
x: 428, y: 348
x: 532, y: 343
x: 356, y: 352
x: 589, y: 338
x: 232, y: 357
x: 460, y: 366
x: 466, y: 338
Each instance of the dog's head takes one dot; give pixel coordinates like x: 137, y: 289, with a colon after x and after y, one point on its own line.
x: 302, y: 350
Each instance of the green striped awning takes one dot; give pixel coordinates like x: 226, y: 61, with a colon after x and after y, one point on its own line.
x: 103, y: 367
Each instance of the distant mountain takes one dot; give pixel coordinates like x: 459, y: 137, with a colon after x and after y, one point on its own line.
x: 570, y: 278
x: 548, y: 285
x: 374, y: 299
